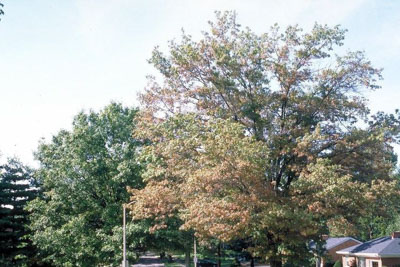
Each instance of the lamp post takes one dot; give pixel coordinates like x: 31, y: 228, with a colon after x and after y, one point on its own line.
x: 124, y: 261
x: 195, y: 252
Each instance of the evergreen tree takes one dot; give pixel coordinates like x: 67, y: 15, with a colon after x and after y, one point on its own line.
x: 17, y: 187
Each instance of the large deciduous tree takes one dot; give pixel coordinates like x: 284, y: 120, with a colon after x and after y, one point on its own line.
x: 261, y: 136
x: 84, y: 173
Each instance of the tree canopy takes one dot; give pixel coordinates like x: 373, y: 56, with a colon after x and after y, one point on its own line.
x: 264, y: 136
x: 1, y: 9
x: 84, y: 174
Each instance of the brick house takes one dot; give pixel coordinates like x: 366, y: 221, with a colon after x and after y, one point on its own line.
x: 332, y: 245
x: 380, y: 252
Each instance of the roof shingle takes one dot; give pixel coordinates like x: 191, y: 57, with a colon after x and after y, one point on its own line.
x: 382, y: 246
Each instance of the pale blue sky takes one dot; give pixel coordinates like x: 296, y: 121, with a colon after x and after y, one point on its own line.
x: 59, y: 56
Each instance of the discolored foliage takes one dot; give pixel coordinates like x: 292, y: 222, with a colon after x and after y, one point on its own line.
x: 261, y: 137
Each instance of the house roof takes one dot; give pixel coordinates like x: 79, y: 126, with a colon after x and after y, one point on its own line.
x: 336, y: 241
x: 382, y: 247
x: 332, y: 242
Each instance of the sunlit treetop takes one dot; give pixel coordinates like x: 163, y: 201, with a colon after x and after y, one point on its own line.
x: 264, y: 137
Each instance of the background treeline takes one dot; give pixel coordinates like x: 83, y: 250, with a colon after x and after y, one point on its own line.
x: 256, y: 143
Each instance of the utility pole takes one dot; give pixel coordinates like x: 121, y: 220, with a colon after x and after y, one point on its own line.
x: 195, y: 252
x: 125, y: 263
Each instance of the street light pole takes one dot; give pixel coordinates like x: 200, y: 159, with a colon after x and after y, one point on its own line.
x: 124, y: 261
x: 124, y: 237
x: 195, y: 252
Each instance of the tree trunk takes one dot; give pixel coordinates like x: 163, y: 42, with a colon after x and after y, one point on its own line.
x: 187, y: 256
x: 252, y: 262
x: 276, y: 263
x: 273, y: 242
x: 318, y: 262
x: 219, y: 254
